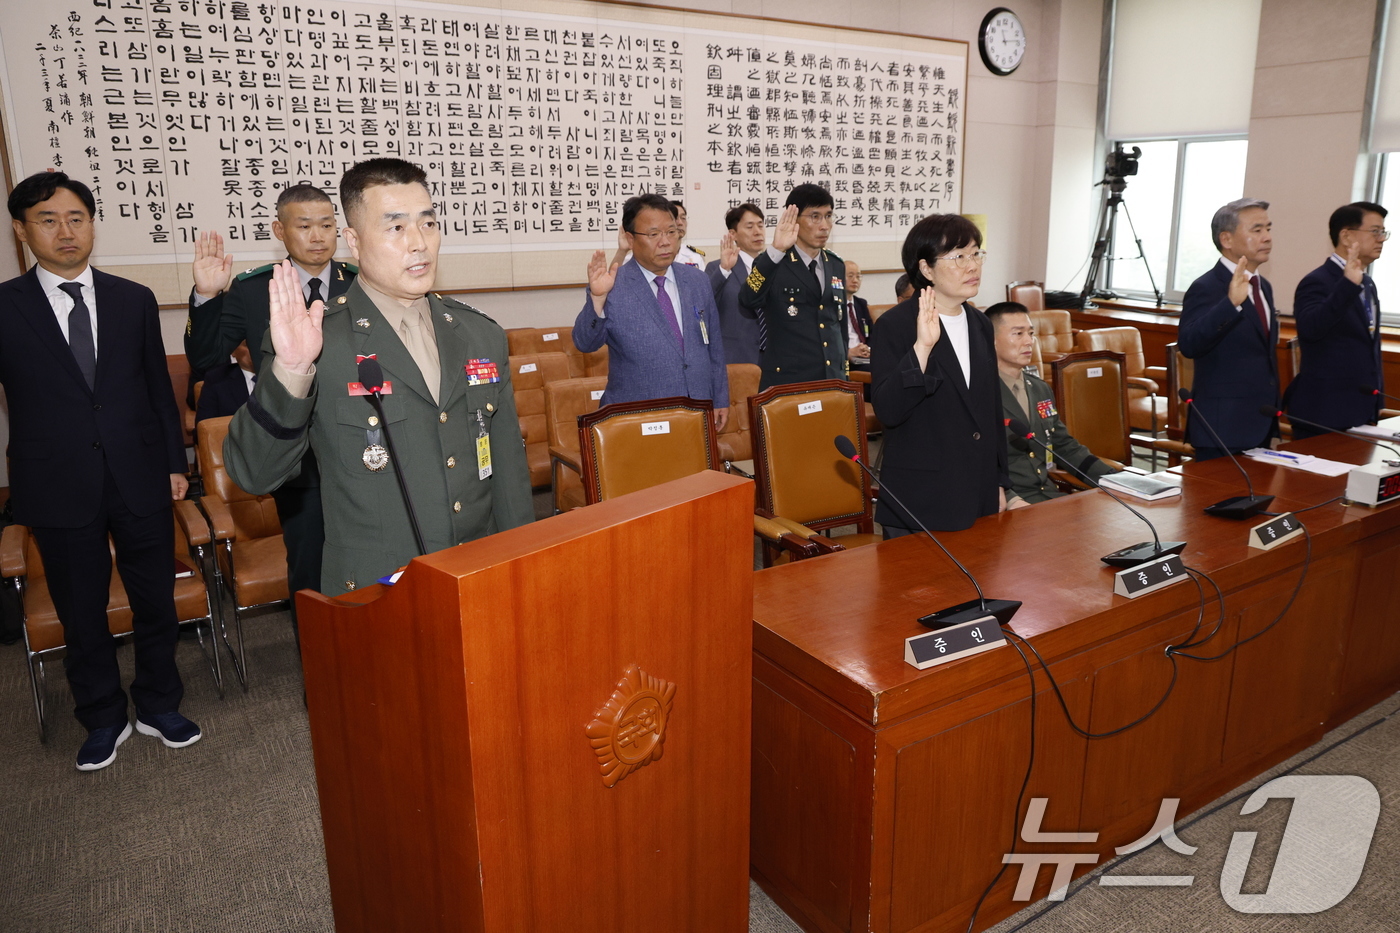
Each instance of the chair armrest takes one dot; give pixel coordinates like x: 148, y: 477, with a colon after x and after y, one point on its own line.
x: 779, y: 536
x: 1067, y: 480
x: 859, y: 375
x: 1052, y: 356
x: 1113, y: 463
x: 192, y: 523
x: 825, y: 544
x: 1157, y: 374
x: 569, y: 458
x: 1142, y: 382
x: 729, y: 467
x: 797, y: 528
x: 220, y: 518
x: 12, y: 547
x: 1389, y: 412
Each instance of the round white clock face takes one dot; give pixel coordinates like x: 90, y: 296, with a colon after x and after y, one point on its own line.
x: 1002, y: 41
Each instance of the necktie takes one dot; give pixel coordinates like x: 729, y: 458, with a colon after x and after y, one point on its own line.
x: 1259, y: 303
x: 315, y: 292
x: 762, y: 319
x: 80, y: 333
x: 668, y: 310
x: 423, y: 350
x: 816, y: 277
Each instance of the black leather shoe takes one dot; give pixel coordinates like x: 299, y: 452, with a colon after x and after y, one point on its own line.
x: 174, y: 730
x: 100, y: 749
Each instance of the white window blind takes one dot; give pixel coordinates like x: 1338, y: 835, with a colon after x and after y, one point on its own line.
x: 1385, y: 122
x: 1184, y: 68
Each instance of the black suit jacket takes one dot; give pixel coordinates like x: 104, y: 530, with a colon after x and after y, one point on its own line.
x: 810, y: 342
x: 1236, y: 364
x: 945, y: 445
x: 64, y: 436
x: 225, y: 391
x: 1341, y: 351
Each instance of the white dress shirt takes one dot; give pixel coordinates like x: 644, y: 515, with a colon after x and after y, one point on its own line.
x: 745, y: 261
x: 1268, y: 312
x: 63, y: 304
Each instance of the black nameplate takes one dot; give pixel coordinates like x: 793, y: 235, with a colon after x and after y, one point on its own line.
x: 1149, y: 577
x: 1275, y: 531
x: 955, y: 641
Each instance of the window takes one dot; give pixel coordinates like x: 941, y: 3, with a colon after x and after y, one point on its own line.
x: 1179, y: 186
x: 1386, y: 270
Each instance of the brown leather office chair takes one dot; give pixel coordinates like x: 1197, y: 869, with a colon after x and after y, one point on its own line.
x: 736, y: 440
x: 1147, y: 406
x: 587, y: 364
x: 803, y: 481
x: 528, y: 375
x: 1092, y: 390
x: 526, y: 340
x: 862, y: 378
x: 1031, y: 294
x: 195, y: 604
x: 564, y: 401
x: 1054, y: 337
x: 1180, y: 373
x: 250, y: 558
x: 637, y: 445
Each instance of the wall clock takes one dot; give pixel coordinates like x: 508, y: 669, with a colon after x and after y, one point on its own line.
x: 1002, y: 41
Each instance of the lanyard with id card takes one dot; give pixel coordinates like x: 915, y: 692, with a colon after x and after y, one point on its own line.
x: 483, y: 447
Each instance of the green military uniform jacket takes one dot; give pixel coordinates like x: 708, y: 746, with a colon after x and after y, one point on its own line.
x: 368, y: 533
x: 805, y: 327
x: 220, y: 324
x: 1030, y: 474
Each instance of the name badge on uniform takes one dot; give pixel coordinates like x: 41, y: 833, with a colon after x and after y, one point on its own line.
x: 481, y: 372
x: 483, y: 447
x: 792, y: 301
x: 704, y: 331
x: 1045, y: 408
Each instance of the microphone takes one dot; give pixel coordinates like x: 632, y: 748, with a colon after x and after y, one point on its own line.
x: 372, y: 378
x: 1236, y: 507
x: 1139, y: 553
x: 1370, y: 390
x: 1275, y: 413
x: 1001, y: 609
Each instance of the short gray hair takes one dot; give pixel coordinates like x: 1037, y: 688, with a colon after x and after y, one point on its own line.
x: 1228, y: 217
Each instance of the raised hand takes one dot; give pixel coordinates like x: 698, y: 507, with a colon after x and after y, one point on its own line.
x: 601, y: 278
x: 728, y: 252
x: 624, y: 246
x: 929, y: 327
x: 1354, y: 268
x: 1239, y: 283
x: 212, y: 268
x: 296, y: 329
x: 786, y: 233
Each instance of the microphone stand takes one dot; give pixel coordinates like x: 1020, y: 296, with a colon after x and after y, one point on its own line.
x: 1274, y: 412
x: 1236, y: 507
x: 372, y: 378
x: 1001, y: 609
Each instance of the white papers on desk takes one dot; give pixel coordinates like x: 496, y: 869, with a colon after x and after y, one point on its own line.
x: 1304, y: 462
x: 1376, y: 431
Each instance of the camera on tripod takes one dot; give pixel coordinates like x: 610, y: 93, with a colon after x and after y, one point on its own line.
x: 1120, y: 164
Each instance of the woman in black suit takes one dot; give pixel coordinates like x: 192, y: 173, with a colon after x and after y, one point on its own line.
x: 935, y: 387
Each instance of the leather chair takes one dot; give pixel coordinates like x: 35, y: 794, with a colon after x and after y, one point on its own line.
x: 736, y: 440
x: 250, y: 558
x: 803, y: 481
x: 1092, y: 391
x: 525, y: 340
x: 195, y: 604
x: 1180, y: 372
x: 1054, y: 331
x: 1030, y: 294
x: 862, y: 378
x: 564, y: 401
x: 587, y: 364
x: 528, y: 375
x: 1147, y: 408
x: 621, y: 453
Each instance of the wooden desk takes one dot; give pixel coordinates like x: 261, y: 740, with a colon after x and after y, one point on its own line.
x: 882, y: 795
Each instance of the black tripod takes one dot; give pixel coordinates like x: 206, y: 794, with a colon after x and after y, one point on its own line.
x: 1120, y: 164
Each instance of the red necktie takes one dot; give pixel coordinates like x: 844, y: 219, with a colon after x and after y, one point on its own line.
x: 1259, y: 303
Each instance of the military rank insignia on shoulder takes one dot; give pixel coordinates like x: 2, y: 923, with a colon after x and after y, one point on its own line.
x: 697, y: 251
x: 258, y: 271
x: 755, y: 280
x: 345, y: 267
x: 456, y: 303
x: 831, y: 255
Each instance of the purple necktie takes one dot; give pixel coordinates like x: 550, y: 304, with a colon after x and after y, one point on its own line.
x: 668, y: 309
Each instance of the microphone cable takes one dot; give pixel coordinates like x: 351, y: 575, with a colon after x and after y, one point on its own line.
x: 1021, y: 796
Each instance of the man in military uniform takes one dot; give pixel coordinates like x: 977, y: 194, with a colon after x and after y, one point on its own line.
x: 1029, y: 399
x: 687, y: 255
x: 220, y: 320
x: 447, y: 398
x: 799, y: 288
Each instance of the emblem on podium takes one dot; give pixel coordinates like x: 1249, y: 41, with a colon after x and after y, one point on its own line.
x: 629, y: 730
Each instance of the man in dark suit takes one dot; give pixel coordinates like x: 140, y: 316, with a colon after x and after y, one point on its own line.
x: 1338, y: 314
x: 657, y: 316
x: 858, y: 319
x: 799, y: 287
x: 220, y: 320
x: 95, y: 450
x: 743, y: 334
x: 1229, y: 326
x: 227, y: 387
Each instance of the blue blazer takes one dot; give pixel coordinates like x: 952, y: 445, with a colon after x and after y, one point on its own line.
x: 1341, y: 352
x: 1236, y: 363
x: 644, y: 360
x: 65, y: 437
x: 740, y: 332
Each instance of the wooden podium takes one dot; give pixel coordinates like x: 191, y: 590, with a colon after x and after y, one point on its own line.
x: 545, y: 730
